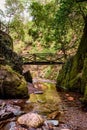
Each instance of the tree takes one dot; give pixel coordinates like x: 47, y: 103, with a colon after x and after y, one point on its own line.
x: 73, y: 75
x: 42, y: 17
x: 67, y: 29
x: 14, y: 13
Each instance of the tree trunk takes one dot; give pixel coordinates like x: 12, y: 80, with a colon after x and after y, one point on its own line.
x: 73, y: 75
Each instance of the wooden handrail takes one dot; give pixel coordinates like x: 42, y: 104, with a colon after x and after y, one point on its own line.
x: 43, y: 59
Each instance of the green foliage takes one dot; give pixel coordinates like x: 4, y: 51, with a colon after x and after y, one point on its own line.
x: 53, y: 23
x: 14, y: 13
x: 42, y: 18
x: 17, y: 28
x: 13, y: 7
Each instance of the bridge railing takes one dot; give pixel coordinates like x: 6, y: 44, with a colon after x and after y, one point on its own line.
x: 43, y: 58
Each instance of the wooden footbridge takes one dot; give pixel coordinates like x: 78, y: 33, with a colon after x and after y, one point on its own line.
x: 43, y: 59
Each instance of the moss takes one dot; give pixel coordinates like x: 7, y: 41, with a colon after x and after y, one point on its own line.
x: 14, y: 85
x: 22, y: 88
x: 64, y: 75
x: 75, y: 83
x: 74, y: 67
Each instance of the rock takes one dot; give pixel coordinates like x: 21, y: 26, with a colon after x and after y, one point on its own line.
x: 13, y: 126
x: 12, y: 84
x: 16, y: 110
x: 53, y: 122
x: 10, y: 126
x: 6, y: 115
x: 64, y: 129
x: 31, y: 120
x: 27, y: 76
x: 38, y: 92
x: 9, y: 111
x: 11, y: 58
x: 70, y: 98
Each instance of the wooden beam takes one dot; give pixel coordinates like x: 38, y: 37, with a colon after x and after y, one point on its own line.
x: 43, y: 63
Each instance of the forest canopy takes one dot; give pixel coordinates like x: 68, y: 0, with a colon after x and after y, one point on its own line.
x: 54, y: 24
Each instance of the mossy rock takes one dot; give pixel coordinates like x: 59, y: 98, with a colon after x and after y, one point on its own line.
x: 9, y: 56
x: 12, y: 84
x: 64, y: 75
x: 71, y: 78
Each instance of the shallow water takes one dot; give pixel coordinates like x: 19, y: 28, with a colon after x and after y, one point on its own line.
x: 47, y: 102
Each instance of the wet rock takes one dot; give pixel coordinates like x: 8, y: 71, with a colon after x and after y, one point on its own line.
x: 31, y: 120
x: 53, y: 122
x: 13, y: 126
x: 8, y: 111
x: 5, y: 115
x: 16, y: 110
x: 38, y: 92
x: 10, y: 126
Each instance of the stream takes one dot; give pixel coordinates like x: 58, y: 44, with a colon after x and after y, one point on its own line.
x: 61, y: 111
x: 44, y: 100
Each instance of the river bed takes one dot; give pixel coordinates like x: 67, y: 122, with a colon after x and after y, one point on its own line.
x: 43, y: 100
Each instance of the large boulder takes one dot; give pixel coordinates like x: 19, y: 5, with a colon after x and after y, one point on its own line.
x: 6, y: 51
x: 8, y: 56
x: 12, y: 84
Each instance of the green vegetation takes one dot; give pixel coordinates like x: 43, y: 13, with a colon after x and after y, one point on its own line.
x: 14, y: 85
x: 57, y: 26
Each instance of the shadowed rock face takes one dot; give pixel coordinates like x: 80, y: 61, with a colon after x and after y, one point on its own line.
x: 73, y: 75
x: 12, y: 83
x: 5, y: 38
x: 7, y: 56
x: 6, y: 52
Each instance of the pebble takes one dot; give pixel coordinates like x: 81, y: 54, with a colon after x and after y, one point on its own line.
x: 38, y: 92
x: 53, y: 122
x: 70, y: 98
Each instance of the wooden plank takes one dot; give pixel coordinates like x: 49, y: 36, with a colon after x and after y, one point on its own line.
x: 43, y: 63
